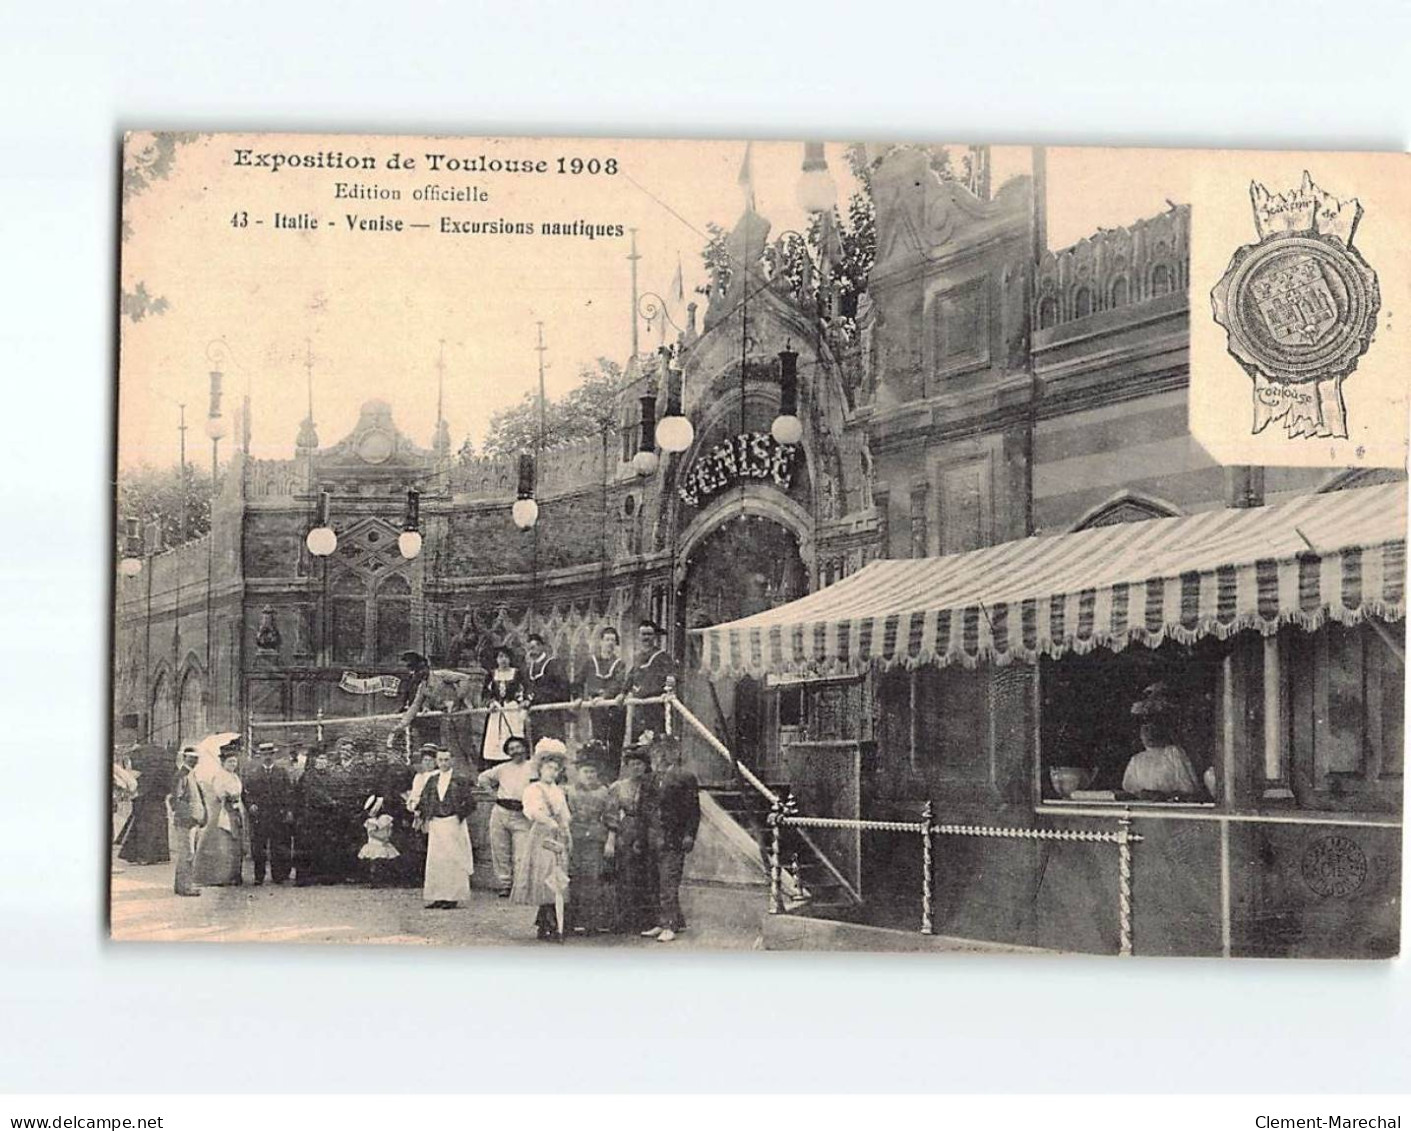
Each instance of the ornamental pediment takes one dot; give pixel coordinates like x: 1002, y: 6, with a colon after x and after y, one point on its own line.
x: 375, y: 444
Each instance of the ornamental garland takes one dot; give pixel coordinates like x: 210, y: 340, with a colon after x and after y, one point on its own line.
x: 751, y: 455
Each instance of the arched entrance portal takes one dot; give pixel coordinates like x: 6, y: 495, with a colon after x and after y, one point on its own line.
x: 745, y: 565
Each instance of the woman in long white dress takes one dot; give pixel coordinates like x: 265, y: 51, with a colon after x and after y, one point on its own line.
x: 541, y: 872
x: 220, y: 856
x: 504, y: 695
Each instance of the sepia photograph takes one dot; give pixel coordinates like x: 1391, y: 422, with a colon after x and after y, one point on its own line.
x: 759, y: 546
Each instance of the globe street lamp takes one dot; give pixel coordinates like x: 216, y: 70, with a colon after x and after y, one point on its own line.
x: 525, y: 511
x: 816, y: 191
x: 409, y: 540
x: 321, y: 540
x: 674, y: 432
x: 787, y: 429
x: 646, y: 461
x: 131, y: 563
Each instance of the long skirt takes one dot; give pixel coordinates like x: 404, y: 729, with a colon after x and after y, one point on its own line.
x: 635, y: 866
x: 220, y: 855
x: 449, y: 862
x: 499, y: 726
x: 146, y: 839
x: 541, y: 873
x: 591, y: 906
x: 320, y: 849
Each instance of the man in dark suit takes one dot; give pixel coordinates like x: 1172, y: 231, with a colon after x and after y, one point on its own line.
x: 547, y: 680
x: 673, y: 807
x: 269, y: 799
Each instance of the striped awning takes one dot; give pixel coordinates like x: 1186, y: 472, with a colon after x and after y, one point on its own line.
x: 1340, y: 555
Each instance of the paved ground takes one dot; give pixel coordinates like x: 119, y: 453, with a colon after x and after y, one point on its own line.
x: 144, y: 909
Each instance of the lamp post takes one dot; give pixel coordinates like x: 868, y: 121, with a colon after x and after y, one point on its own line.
x: 816, y: 190
x: 131, y: 563
x: 787, y: 428
x: 525, y: 511
x: 322, y: 541
x: 674, y: 432
x: 409, y: 540
x: 215, y: 429
x: 646, y: 461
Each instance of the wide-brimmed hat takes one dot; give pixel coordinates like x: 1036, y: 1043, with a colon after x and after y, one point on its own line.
x: 549, y: 750
x: 1155, y: 702
x: 410, y: 657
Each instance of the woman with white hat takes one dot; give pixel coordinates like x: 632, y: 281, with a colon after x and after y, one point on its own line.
x: 541, y: 873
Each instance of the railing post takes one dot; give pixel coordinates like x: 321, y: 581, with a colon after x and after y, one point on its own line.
x: 776, y: 817
x: 670, y: 698
x: 318, y: 726
x: 1124, y: 886
x: 927, y: 870
x: 627, y: 725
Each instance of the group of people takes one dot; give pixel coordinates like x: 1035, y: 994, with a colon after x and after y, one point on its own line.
x: 594, y: 857
x: 607, y: 680
x: 593, y: 854
x: 313, y: 817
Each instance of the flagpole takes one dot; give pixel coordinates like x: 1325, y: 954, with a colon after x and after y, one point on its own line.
x: 632, y: 258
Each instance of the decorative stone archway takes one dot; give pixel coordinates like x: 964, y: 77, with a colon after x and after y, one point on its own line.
x: 749, y: 501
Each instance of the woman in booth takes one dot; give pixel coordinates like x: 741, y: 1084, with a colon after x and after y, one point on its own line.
x: 1161, y: 766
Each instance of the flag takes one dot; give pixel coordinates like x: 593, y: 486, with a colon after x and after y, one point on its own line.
x: 678, y: 285
x: 746, y: 178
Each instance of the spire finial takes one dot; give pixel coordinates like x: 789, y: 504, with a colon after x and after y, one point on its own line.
x: 442, y: 443
x: 308, y: 434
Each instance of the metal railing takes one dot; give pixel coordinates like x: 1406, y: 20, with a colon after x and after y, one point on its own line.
x: 783, y: 814
x: 773, y: 799
x: 320, y: 720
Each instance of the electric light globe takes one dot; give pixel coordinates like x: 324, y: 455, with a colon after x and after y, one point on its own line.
x: 321, y: 541
x: 674, y: 434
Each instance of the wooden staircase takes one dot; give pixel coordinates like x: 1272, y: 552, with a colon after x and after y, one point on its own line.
x: 818, y: 890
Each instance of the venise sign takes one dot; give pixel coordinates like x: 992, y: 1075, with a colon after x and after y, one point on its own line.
x: 752, y: 455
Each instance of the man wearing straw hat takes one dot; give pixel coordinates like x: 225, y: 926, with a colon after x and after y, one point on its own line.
x: 269, y: 799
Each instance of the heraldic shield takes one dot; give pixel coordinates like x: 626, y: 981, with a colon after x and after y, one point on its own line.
x: 1296, y: 302
x: 1300, y: 307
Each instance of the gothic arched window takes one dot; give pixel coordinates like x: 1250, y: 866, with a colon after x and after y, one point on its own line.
x: 1048, y: 313
x: 1082, y: 302
x: 394, y: 618
x: 347, y: 617
x: 1118, y: 295
x: 1161, y: 281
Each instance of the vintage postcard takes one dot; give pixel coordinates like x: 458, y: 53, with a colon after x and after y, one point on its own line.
x: 740, y: 545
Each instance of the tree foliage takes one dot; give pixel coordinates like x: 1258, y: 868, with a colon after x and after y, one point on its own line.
x: 581, y: 414
x: 152, y: 494
x: 855, y: 233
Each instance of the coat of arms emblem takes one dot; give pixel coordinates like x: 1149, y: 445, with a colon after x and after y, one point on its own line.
x: 1299, y: 307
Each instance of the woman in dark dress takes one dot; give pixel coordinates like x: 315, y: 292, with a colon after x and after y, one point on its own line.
x: 505, y: 692
x: 319, y: 827
x: 145, y: 840
x: 634, y: 861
